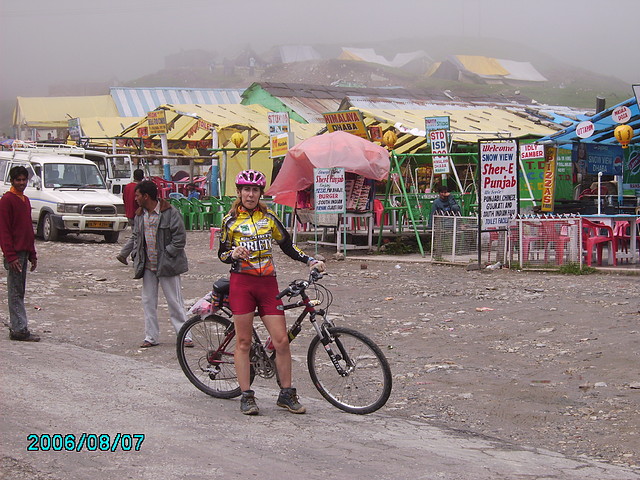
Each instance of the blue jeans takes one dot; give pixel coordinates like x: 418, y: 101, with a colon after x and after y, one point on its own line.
x: 16, y: 285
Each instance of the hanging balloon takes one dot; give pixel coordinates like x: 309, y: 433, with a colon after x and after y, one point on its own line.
x: 624, y: 134
x: 237, y: 139
x: 390, y: 138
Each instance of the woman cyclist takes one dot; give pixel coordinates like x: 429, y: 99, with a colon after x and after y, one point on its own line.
x: 248, y: 232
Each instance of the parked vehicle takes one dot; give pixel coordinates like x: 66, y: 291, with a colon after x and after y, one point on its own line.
x: 68, y: 194
x: 116, y: 169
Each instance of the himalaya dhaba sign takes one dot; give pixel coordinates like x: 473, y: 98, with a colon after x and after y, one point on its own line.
x: 350, y: 121
x: 498, y: 183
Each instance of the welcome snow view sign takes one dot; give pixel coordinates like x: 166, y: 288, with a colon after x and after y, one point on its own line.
x: 498, y: 183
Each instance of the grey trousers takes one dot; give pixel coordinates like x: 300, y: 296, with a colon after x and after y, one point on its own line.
x: 16, y: 286
x: 172, y: 289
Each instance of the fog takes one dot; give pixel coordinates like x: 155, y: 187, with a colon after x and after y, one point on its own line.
x: 44, y: 42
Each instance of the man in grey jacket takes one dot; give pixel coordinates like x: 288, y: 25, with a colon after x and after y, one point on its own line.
x: 156, y: 245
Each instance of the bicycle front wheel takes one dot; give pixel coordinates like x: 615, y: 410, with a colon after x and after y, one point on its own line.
x: 209, y: 364
x: 364, y: 383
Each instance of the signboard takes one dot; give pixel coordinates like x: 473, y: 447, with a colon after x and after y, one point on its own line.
x: 621, y: 114
x: 585, y: 129
x: 350, y: 121
x: 631, y: 177
x: 531, y: 151
x: 532, y: 163
x: 157, y: 122
x: 204, y: 125
x: 498, y: 183
x: 329, y: 190
x: 439, y: 147
x: 279, y: 145
x: 142, y: 132
x: 598, y: 157
x: 278, y: 123
x: 375, y: 132
x: 549, y: 183
x: 436, y: 123
x: 75, y: 131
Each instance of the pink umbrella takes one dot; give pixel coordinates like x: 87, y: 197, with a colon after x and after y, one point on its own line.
x: 336, y: 149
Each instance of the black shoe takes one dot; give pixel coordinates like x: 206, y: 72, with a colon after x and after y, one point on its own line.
x: 23, y: 336
x: 248, y: 404
x: 289, y: 399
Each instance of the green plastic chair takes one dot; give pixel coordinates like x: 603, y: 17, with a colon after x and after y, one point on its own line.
x: 189, y: 215
x: 205, y: 216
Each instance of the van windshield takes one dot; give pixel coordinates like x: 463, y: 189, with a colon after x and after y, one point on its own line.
x: 57, y: 175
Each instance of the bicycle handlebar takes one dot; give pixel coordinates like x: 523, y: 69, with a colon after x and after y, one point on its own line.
x: 298, y: 286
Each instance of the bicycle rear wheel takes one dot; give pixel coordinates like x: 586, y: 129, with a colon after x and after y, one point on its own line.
x: 366, y: 385
x: 210, y: 368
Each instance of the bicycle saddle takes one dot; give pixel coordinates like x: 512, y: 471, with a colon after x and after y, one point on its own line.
x: 221, y: 286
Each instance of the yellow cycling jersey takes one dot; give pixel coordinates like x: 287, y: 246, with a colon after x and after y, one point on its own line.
x: 256, y: 231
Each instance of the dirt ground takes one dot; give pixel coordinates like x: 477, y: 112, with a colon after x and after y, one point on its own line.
x: 540, y: 359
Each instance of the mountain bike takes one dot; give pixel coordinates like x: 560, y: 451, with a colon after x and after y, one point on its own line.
x: 348, y: 369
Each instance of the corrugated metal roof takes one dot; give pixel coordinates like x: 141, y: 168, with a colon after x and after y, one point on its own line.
x: 604, y: 127
x: 54, y: 112
x: 311, y: 109
x: 136, y: 102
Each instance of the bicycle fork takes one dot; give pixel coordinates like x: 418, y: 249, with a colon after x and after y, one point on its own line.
x: 325, y: 337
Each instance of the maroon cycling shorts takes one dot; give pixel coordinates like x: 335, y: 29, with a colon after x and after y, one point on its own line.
x: 248, y: 292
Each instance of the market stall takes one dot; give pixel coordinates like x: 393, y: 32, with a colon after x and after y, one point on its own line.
x: 364, y: 162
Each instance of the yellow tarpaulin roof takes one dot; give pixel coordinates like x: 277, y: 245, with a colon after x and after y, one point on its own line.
x: 482, y: 65
x: 410, y: 125
x: 183, y: 121
x: 54, y: 112
x: 97, y: 127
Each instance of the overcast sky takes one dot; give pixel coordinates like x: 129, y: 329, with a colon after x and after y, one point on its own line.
x: 45, y: 42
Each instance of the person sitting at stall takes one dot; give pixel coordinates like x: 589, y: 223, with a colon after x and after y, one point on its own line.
x: 444, y: 204
x: 192, y: 191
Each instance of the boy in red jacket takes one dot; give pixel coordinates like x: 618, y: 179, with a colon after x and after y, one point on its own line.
x: 18, y: 246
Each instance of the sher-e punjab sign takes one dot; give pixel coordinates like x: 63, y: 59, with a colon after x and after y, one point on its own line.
x: 329, y: 191
x: 498, y: 183
x: 346, y: 121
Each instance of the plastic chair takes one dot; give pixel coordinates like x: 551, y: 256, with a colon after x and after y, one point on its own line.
x: 205, y: 217
x: 592, y: 235
x: 531, y: 233
x: 622, y: 237
x: 551, y: 235
x: 189, y: 215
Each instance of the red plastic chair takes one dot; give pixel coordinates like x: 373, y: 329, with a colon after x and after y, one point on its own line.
x: 597, y: 234
x: 621, y: 235
x: 552, y: 235
x: 530, y: 235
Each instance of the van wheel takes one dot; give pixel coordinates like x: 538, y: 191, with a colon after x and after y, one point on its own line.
x: 111, y: 237
x: 49, y: 231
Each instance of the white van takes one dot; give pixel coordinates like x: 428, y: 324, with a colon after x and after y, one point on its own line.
x: 67, y: 193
